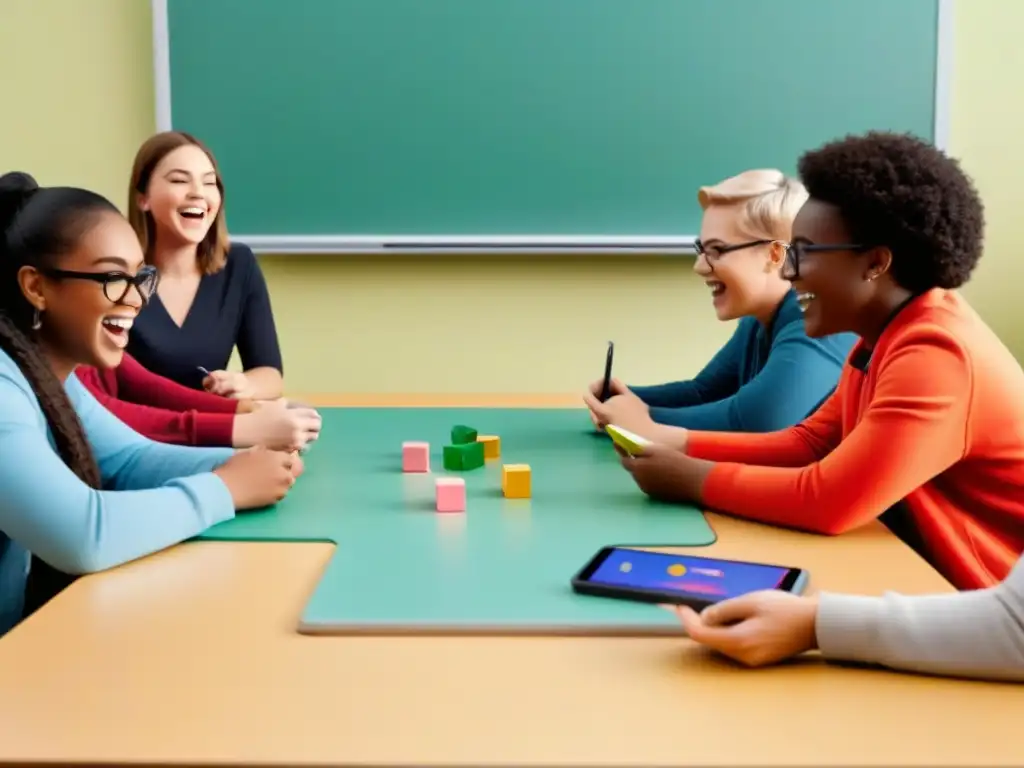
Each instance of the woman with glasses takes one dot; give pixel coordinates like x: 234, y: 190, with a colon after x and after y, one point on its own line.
x: 167, y: 412
x: 770, y: 374
x: 81, y: 491
x: 926, y: 428
x: 212, y: 296
x: 163, y: 410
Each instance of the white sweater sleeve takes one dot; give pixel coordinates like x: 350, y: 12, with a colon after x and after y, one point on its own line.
x: 976, y: 634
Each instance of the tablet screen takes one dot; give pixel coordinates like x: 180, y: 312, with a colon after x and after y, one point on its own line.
x: 697, y: 576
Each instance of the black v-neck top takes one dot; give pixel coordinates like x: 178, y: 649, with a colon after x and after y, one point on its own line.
x: 231, y: 308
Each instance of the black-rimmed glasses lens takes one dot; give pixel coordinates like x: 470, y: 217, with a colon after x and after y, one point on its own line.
x: 116, y: 284
x: 795, y: 253
x: 717, y: 250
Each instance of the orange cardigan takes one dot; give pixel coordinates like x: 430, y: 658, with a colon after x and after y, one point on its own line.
x: 931, y: 420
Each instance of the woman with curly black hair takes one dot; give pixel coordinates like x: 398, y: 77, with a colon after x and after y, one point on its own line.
x: 926, y: 428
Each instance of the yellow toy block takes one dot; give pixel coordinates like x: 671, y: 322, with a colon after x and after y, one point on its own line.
x: 515, y: 481
x: 492, y: 446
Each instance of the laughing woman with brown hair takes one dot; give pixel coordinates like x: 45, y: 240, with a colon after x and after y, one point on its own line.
x: 212, y: 296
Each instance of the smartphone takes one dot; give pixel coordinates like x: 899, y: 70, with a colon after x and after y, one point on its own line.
x: 606, y: 388
x: 659, y: 577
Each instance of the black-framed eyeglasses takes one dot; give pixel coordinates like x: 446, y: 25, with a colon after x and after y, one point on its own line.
x: 796, y: 251
x: 716, y: 251
x: 115, y: 284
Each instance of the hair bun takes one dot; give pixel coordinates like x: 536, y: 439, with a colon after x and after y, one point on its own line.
x: 18, y: 181
x: 16, y: 188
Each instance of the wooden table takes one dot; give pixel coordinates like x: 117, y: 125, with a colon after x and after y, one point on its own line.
x: 191, y: 657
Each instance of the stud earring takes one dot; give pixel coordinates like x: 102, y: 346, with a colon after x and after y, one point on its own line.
x: 37, y: 320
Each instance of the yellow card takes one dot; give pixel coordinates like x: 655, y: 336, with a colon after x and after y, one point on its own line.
x: 626, y: 440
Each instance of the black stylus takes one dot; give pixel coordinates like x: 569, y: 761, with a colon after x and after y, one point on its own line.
x: 606, y: 389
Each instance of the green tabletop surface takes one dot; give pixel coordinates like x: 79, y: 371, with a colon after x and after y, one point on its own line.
x: 503, y: 565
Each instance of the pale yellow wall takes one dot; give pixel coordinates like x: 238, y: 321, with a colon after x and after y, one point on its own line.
x: 81, y: 101
x: 76, y: 90
x: 988, y: 136
x: 487, y: 324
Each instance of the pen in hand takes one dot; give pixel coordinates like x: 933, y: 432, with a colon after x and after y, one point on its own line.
x: 606, y: 388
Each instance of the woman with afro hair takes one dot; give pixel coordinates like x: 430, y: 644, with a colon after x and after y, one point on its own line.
x: 925, y: 430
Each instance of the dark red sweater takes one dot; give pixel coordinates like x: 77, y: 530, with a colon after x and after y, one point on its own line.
x: 159, y: 408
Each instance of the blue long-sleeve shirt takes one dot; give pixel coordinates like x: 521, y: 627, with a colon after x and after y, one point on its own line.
x: 154, y: 495
x: 765, y: 378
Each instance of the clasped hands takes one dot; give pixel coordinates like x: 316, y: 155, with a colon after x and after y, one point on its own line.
x: 662, y: 470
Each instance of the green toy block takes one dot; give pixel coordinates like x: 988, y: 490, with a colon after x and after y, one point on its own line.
x: 462, y: 434
x: 462, y: 457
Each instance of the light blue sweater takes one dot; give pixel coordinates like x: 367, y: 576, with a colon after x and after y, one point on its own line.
x: 155, y: 495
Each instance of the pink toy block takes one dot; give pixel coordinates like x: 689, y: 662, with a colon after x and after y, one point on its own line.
x: 451, y: 494
x: 415, y: 457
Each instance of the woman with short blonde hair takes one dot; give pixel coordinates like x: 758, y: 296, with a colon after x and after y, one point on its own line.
x: 769, y: 375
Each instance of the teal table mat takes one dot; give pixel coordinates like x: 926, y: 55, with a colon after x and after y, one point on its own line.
x: 503, y: 565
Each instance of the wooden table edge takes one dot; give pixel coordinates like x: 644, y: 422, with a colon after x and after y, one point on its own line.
x: 441, y: 400
x: 733, y: 538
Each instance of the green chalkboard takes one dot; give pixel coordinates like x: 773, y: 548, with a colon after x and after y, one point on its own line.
x: 500, y: 118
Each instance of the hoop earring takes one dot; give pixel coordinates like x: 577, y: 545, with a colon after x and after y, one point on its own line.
x: 37, y: 320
